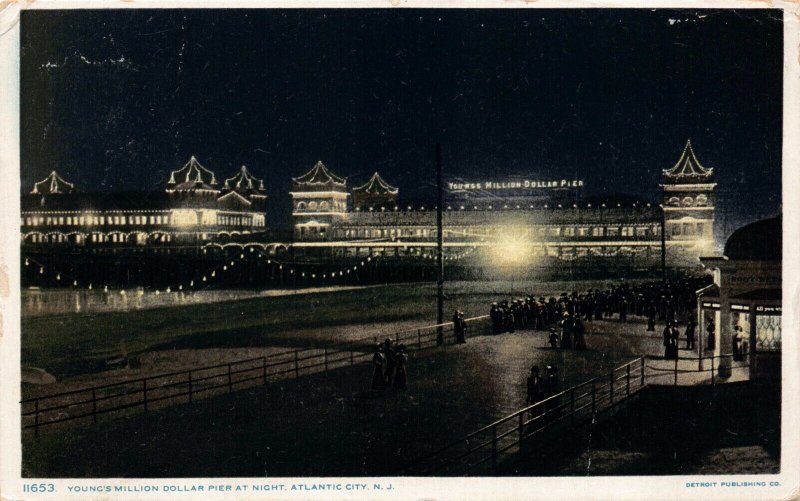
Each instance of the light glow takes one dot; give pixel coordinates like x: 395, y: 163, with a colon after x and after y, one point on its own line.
x: 511, y: 249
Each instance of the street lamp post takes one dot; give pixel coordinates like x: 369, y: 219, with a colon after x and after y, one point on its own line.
x: 663, y: 246
x: 439, y: 245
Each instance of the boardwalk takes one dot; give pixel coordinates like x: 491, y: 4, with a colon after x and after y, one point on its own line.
x: 299, y: 427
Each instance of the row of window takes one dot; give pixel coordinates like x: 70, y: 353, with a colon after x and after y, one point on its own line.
x: 570, y: 231
x: 237, y: 221
x: 92, y: 220
x: 687, y: 229
x: 321, y: 206
x: 77, y: 238
x: 698, y: 201
x: 125, y: 220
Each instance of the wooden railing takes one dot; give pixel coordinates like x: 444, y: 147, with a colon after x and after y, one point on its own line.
x: 482, y: 450
x: 668, y: 371
x: 162, y: 390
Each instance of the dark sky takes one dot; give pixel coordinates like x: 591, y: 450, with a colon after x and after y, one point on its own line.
x: 114, y: 100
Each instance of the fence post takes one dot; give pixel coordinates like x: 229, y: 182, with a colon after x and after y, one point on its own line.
x: 676, y: 371
x: 36, y: 418
x: 593, y: 401
x: 611, y: 387
x: 144, y: 393
x: 325, y: 358
x: 521, y: 426
x: 230, y: 380
x: 419, y: 339
x: 642, y: 370
x: 628, y: 380
x: 191, y: 389
x: 296, y: 367
x: 264, y: 369
x: 94, y: 406
x: 494, y: 448
x: 351, y: 356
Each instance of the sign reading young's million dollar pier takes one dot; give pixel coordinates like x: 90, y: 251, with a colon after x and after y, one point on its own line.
x: 512, y: 185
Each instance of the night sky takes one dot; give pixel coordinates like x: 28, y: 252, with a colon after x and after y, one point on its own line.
x: 115, y: 100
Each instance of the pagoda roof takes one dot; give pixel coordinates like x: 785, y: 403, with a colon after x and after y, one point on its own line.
x: 320, y: 175
x: 688, y: 166
x: 52, y: 184
x: 192, y: 176
x: 243, y: 181
x: 376, y: 186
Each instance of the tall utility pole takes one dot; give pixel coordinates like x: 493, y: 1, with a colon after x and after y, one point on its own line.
x: 663, y: 245
x: 439, y: 238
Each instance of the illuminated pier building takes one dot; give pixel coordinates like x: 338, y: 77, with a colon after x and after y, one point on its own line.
x: 194, y: 208
x: 525, y: 220
x: 544, y: 223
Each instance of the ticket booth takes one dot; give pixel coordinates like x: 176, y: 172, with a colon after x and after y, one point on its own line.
x: 745, y: 302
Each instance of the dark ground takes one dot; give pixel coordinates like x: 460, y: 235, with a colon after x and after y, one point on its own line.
x: 328, y: 425
x: 729, y: 429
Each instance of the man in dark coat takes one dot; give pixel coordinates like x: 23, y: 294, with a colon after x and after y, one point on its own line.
x: 690, y: 335
x: 551, y: 388
x: 579, y: 331
x: 553, y: 338
x: 534, y: 386
x: 712, y: 338
x: 400, y: 379
x: 496, y: 314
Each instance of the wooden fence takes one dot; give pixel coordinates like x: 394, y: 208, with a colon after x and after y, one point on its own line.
x: 163, y: 390
x: 481, y: 451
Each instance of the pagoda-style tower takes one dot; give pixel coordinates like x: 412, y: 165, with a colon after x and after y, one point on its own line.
x: 246, y: 186
x: 374, y: 194
x: 192, y: 184
x: 688, y: 204
x: 319, y: 200
x: 51, y: 185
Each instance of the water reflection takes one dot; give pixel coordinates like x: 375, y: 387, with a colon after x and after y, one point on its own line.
x: 37, y: 302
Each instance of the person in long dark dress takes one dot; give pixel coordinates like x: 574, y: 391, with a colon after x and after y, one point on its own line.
x: 378, y: 370
x: 388, y: 355
x: 676, y: 334
x: 400, y: 379
x: 668, y: 341
x: 566, y: 332
x: 651, y: 317
x: 459, y: 327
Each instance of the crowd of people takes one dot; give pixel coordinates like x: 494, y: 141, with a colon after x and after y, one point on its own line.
x: 389, y: 367
x: 565, y: 316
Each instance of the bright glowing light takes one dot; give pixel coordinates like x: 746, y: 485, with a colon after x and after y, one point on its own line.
x: 511, y: 250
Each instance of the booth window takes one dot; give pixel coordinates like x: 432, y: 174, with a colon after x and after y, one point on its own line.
x: 768, y: 332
